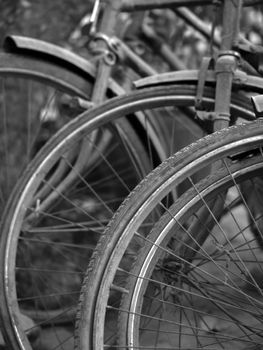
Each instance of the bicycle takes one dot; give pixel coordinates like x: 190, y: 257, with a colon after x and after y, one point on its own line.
x: 56, y: 75
x: 43, y: 206
x: 51, y: 68
x: 190, y: 277
x: 174, y: 275
x: 27, y: 60
x: 49, y: 81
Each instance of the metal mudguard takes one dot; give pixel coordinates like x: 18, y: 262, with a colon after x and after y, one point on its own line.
x: 54, y: 54
x: 19, y: 44
x: 185, y: 76
x: 240, y: 79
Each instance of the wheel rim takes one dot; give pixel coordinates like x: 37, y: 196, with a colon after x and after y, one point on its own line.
x: 22, y: 235
x: 213, y: 306
x: 107, y: 279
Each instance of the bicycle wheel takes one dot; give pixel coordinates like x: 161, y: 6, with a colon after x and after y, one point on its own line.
x: 35, y: 102
x: 37, y: 99
x: 197, y: 279
x: 188, y: 294
x: 58, y: 209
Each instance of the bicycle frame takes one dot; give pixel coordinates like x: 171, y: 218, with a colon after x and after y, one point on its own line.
x: 109, y: 46
x: 113, y: 47
x: 106, y: 44
x: 224, y: 70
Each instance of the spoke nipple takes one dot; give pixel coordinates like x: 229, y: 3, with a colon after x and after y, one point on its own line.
x: 37, y: 208
x: 119, y: 289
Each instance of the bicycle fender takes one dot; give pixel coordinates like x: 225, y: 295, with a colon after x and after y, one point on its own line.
x: 178, y: 77
x: 54, y: 54
x: 240, y: 79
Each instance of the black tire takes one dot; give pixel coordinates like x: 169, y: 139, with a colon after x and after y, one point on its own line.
x: 113, y: 291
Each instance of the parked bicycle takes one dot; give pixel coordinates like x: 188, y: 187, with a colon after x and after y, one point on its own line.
x: 64, y: 200
x: 186, y: 274
x: 44, y: 85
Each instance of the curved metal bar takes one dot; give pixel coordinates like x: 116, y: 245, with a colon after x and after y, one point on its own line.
x: 139, y: 5
x: 240, y: 79
x: 55, y: 54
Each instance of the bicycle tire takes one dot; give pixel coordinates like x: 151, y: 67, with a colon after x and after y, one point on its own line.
x: 15, y: 72
x: 25, y: 77
x: 39, y: 172
x: 108, y: 271
x: 31, y: 126
x: 29, y: 87
x: 214, y: 297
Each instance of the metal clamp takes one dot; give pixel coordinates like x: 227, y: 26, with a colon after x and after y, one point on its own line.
x: 111, y: 42
x: 111, y: 52
x: 226, y: 62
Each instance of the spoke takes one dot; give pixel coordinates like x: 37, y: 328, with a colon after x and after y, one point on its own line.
x: 43, y: 296
x: 38, y: 212
x: 39, y: 269
x: 220, y: 336
x: 88, y: 186
x: 250, y: 300
x: 105, y: 160
x: 251, y: 216
x: 87, y: 226
x: 202, y: 296
x: 226, y: 238
x: 190, y: 264
x: 48, y: 316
